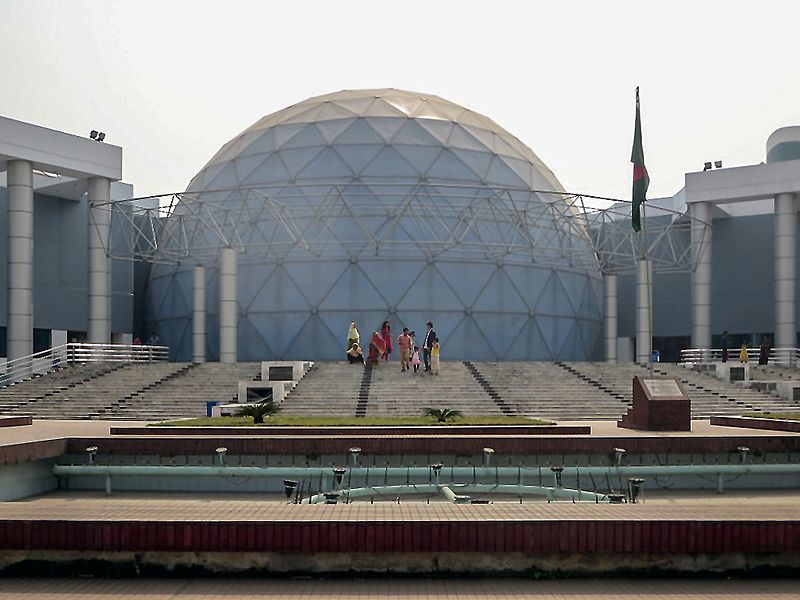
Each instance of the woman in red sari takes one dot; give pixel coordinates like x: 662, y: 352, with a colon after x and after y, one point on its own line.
x: 376, y: 349
x: 386, y: 334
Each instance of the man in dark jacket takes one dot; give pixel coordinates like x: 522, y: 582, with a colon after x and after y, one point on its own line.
x: 430, y: 335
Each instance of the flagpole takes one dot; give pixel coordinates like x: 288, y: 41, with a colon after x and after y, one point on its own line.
x: 643, y: 234
x: 647, y: 283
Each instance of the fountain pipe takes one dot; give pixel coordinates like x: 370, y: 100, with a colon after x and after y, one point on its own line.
x: 421, y: 472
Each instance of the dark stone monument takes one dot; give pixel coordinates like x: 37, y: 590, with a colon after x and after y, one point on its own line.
x: 659, y: 404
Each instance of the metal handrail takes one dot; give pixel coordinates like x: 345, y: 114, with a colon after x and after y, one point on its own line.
x: 789, y: 357
x: 39, y: 363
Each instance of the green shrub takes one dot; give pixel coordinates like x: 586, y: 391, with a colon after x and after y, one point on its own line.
x: 442, y: 415
x: 259, y: 411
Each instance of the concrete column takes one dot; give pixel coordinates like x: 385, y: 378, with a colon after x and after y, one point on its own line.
x: 785, y: 275
x: 99, y: 330
x: 610, y: 288
x: 644, y: 314
x: 199, y: 316
x: 227, y: 306
x: 701, y: 276
x: 20, y: 259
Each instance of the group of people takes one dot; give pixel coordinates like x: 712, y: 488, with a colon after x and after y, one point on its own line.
x: 764, y: 350
x: 381, y: 346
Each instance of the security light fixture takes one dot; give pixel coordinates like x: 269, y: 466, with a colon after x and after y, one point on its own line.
x: 718, y: 164
x: 354, y: 452
x: 93, y: 134
x: 289, y: 486
x: 743, y: 452
x: 101, y: 136
x: 338, y: 474
x: 487, y: 456
x: 706, y: 166
x: 97, y: 136
x: 634, y: 487
x: 558, y: 472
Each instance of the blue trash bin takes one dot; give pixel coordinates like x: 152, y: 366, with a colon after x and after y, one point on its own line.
x: 210, y: 406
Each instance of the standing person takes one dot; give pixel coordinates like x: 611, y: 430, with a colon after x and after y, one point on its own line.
x: 386, y: 334
x: 430, y: 335
x: 764, y: 350
x: 415, y: 359
x: 743, y: 357
x: 353, y: 337
x: 404, y: 347
x: 725, y: 346
x: 376, y: 349
x: 435, y: 349
x: 154, y: 340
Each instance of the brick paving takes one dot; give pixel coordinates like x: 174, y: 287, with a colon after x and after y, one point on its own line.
x: 393, y: 589
x: 131, y: 506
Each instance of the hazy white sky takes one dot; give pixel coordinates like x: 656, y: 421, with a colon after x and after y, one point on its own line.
x: 172, y: 81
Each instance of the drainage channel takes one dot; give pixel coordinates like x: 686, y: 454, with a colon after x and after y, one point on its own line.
x: 488, y: 388
x: 363, y: 392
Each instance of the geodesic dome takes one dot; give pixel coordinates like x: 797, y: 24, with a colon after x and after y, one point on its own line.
x: 375, y: 205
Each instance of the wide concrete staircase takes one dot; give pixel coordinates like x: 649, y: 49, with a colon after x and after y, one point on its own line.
x: 774, y: 373
x: 141, y: 391
x: 18, y: 396
x: 394, y: 393
x: 87, y: 400
x: 711, y: 396
x: 184, y: 393
x: 552, y: 391
x: 558, y: 391
x: 327, y: 389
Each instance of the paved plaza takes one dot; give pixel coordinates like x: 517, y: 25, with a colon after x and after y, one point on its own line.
x: 205, y: 507
x: 397, y: 589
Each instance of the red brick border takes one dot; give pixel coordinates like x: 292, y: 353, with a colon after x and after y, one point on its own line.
x: 448, y: 430
x: 16, y: 421
x: 531, y: 537
x: 758, y: 423
x: 417, y: 445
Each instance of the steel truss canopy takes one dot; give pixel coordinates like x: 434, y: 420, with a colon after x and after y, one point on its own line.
x: 503, y: 224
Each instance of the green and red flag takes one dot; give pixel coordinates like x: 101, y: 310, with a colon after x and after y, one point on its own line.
x: 641, y: 180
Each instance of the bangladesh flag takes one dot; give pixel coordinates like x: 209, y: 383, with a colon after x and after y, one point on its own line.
x: 641, y: 180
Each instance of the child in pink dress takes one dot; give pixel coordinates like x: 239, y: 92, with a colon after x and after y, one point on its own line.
x: 415, y: 359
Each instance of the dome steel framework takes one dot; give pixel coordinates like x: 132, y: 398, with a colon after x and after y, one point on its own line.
x: 384, y: 204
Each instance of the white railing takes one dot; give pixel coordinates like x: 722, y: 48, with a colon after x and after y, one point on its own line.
x: 787, y: 357
x: 45, y: 361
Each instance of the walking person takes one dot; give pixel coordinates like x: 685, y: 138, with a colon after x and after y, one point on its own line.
x: 353, y: 337
x: 435, y: 349
x: 386, y: 334
x: 430, y: 335
x: 404, y: 347
x: 376, y: 349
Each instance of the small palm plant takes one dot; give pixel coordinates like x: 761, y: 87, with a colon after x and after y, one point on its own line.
x: 259, y: 411
x: 442, y: 415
